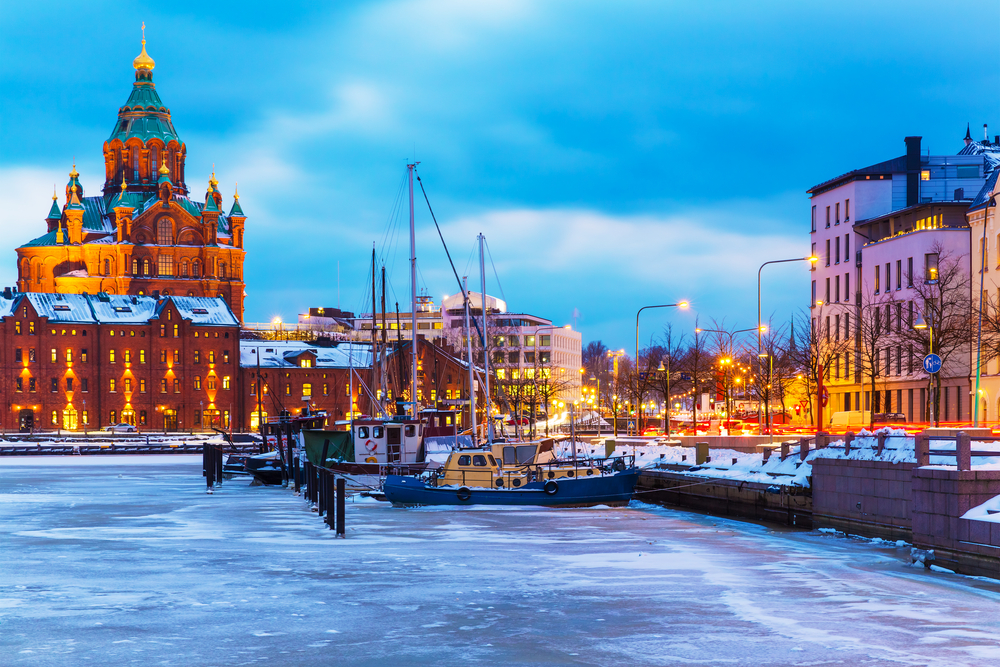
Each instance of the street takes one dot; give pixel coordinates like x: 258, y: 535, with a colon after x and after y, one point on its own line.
x: 126, y: 560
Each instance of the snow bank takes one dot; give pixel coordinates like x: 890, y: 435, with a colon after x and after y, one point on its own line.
x: 988, y: 511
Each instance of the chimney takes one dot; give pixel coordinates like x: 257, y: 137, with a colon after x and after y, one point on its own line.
x: 912, y: 170
x: 986, y: 134
x: 156, y: 294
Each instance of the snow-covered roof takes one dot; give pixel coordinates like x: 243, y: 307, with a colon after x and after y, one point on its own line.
x: 282, y: 354
x: 120, y: 308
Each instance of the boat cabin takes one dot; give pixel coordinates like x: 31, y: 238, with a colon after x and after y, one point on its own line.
x: 384, y: 441
x: 480, y: 468
x: 439, y: 422
x: 524, y: 453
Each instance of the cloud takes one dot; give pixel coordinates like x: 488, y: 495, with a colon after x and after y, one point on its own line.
x: 25, y: 198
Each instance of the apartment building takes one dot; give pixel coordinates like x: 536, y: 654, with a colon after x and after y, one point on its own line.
x: 877, y: 231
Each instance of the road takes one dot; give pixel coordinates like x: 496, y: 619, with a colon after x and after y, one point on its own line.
x: 126, y: 560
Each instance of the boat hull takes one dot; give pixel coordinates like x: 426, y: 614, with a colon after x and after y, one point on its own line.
x: 613, y: 490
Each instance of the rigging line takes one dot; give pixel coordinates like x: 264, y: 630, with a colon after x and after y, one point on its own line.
x: 465, y: 295
x: 493, y: 264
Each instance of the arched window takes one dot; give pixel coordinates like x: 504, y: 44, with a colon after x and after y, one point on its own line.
x: 135, y: 267
x: 222, y: 269
x: 190, y: 292
x: 145, y: 267
x: 25, y: 270
x: 135, y: 163
x: 107, y: 267
x: 196, y: 269
x: 153, y: 164
x: 164, y: 232
x: 184, y: 269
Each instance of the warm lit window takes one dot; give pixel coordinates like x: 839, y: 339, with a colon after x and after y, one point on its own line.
x: 56, y: 354
x: 925, y: 175
x: 111, y: 356
x: 111, y: 385
x: 305, y: 363
x: 177, y: 331
x: 288, y: 389
x: 225, y: 356
x: 163, y: 386
x: 164, y: 236
x: 197, y: 356
x: 225, y: 382
x: 211, y: 356
x: 142, y: 386
x: 197, y: 382
x: 210, y: 383
x: 177, y: 385
x: 326, y: 389
x: 127, y: 383
x: 307, y: 389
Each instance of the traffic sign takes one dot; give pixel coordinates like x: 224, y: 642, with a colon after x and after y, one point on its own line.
x: 824, y: 397
x: 932, y: 363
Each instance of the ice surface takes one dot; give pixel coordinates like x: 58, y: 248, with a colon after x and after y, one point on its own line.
x: 109, y: 561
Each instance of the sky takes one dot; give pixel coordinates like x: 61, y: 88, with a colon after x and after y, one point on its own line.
x: 614, y: 155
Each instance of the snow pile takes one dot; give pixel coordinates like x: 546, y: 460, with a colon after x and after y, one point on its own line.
x: 898, y: 447
x: 988, y: 511
x: 724, y: 464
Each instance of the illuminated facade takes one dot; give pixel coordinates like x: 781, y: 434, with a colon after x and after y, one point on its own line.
x: 142, y: 234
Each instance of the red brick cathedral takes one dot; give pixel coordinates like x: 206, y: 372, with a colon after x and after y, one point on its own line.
x: 142, y: 234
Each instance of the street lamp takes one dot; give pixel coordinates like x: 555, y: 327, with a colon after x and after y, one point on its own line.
x: 726, y: 361
x: 812, y: 259
x: 921, y: 323
x: 598, y: 397
x: 680, y: 304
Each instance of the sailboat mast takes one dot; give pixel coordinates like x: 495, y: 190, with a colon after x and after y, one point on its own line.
x: 472, y: 370
x: 374, y: 330
x: 381, y: 364
x: 486, y: 359
x: 413, y: 298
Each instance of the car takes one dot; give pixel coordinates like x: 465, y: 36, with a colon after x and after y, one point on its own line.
x: 120, y: 428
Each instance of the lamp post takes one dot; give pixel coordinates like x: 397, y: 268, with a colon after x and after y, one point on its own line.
x: 615, y: 355
x: 929, y: 325
x: 770, y: 372
x: 680, y: 304
x: 731, y: 335
x: 760, y: 325
x: 598, y: 401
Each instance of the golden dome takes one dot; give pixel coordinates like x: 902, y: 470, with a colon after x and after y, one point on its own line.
x: 74, y: 174
x: 164, y: 170
x: 143, y: 61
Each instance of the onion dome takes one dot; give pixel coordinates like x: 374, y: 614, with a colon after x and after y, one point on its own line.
x: 210, y: 205
x: 55, y: 213
x: 236, y: 211
x: 74, y: 181
x: 143, y: 61
x: 119, y: 199
x: 74, y: 201
x: 144, y: 115
x: 164, y: 175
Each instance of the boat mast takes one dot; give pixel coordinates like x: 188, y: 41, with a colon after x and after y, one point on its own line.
x: 472, y: 370
x: 486, y: 359
x: 413, y: 298
x: 381, y: 364
x: 374, y: 329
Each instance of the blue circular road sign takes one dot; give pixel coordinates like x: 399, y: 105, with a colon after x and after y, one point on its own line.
x: 932, y: 363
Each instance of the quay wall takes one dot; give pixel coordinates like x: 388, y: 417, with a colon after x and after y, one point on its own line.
x: 869, y: 498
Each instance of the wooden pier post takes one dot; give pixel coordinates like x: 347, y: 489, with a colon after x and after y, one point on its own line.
x: 341, y: 506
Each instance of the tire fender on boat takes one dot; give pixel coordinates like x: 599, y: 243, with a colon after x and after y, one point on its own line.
x: 464, y: 493
x: 551, y: 487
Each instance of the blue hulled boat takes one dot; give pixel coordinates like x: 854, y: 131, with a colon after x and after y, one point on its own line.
x: 474, y: 478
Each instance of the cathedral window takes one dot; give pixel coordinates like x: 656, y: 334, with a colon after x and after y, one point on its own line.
x: 107, y: 267
x: 222, y: 269
x: 165, y: 265
x: 135, y: 164
x: 135, y: 267
x: 164, y: 232
x: 153, y: 155
x: 145, y: 267
x: 196, y: 269
x: 184, y: 269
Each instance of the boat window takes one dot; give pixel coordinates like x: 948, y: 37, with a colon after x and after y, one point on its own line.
x: 479, y: 460
x: 411, y: 431
x: 525, y: 453
x: 464, y: 460
x: 393, y: 435
x: 377, y: 432
x: 493, y: 461
x: 509, y: 456
x: 362, y: 431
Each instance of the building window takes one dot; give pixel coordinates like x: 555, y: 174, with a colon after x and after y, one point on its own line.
x: 165, y: 265
x: 931, y: 267
x: 142, y: 417
x: 18, y: 384
x: 878, y: 274
x: 288, y: 389
x: 828, y: 252
x: 31, y: 328
x: 211, y: 356
x: 69, y: 356
x: 222, y: 270
x: 83, y: 385
x: 210, y: 383
x: 111, y: 356
x: 196, y: 269
x: 113, y: 417
x: 305, y: 363
x: 197, y: 417
x: 544, y: 357
x: 197, y: 382
x: 111, y: 386
x: 163, y: 356
x: 177, y: 385
x: 135, y: 174
x: 925, y: 175
x: 813, y: 219
x: 307, y: 389
x: 326, y: 389
x: 163, y: 334
x: 54, y: 355
x: 17, y: 328
x: 127, y: 384
x: 847, y: 210
x: 135, y: 267
x: 184, y: 269
x: 142, y: 386
x: 177, y: 356
x: 197, y: 354
x: 55, y: 417
x: 107, y: 267
x: 836, y: 214
x: 18, y: 355
x: 847, y: 247
x: 163, y: 386
x: 54, y: 385
x: 225, y: 355
x: 31, y: 384
x: 836, y: 249
x: 177, y: 331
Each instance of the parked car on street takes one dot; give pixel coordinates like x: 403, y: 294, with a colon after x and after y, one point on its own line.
x: 120, y: 428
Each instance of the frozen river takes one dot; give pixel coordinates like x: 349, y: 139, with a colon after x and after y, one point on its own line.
x: 126, y: 560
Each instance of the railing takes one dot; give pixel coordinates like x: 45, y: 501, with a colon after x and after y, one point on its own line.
x: 962, y: 453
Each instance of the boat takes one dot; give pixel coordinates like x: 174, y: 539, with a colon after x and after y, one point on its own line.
x: 475, y: 477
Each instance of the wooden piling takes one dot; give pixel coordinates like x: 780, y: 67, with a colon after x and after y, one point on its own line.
x: 341, y: 506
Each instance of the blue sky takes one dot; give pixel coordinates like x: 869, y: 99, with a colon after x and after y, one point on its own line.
x: 614, y: 154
